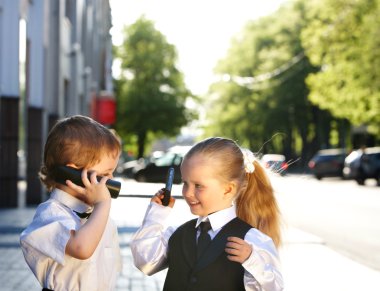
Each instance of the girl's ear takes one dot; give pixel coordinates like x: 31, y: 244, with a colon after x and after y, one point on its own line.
x: 230, y: 190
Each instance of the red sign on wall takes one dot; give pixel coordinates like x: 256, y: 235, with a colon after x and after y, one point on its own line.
x: 105, y: 110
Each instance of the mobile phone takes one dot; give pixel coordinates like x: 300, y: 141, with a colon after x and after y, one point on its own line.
x: 168, y: 187
x: 63, y: 173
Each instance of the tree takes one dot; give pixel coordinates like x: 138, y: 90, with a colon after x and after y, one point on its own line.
x: 150, y: 93
x: 343, y: 39
x: 273, y: 104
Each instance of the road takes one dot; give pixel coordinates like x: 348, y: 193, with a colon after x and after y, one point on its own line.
x: 343, y: 214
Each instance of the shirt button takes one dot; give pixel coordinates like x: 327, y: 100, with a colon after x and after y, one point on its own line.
x: 193, y: 280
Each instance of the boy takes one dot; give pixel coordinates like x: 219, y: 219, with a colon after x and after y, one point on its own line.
x: 65, y: 249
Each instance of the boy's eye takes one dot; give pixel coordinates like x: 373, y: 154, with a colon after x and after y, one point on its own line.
x: 197, y: 186
x: 108, y: 175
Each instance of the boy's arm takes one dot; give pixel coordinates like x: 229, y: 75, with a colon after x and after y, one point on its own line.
x: 83, y: 242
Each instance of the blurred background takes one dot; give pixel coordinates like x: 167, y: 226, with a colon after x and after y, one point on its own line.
x: 295, y: 81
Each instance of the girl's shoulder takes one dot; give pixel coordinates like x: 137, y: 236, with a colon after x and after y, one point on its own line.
x: 187, y: 225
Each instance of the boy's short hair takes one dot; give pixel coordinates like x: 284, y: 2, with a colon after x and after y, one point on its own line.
x: 79, y: 140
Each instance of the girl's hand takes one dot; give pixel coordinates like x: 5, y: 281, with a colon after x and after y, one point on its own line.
x: 93, y: 191
x: 160, y: 195
x: 238, y: 250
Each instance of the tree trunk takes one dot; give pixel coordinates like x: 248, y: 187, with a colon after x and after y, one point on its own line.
x: 141, y: 138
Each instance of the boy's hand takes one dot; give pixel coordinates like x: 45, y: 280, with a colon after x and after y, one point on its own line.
x: 94, y: 191
x: 238, y: 250
x: 160, y: 195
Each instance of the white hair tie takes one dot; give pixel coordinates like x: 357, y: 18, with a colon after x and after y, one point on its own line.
x: 249, y: 158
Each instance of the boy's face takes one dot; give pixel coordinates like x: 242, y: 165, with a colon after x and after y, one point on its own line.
x: 202, y: 190
x: 106, y: 166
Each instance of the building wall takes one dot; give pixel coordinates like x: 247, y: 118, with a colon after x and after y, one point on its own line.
x: 67, y: 65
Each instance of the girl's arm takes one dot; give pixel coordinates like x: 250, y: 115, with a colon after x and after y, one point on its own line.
x: 149, y: 244
x: 262, y: 268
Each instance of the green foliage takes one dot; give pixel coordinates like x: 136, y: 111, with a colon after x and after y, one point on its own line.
x: 275, y: 105
x: 343, y: 39
x: 151, y: 93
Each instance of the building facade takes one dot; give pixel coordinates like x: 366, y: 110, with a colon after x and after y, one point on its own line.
x: 55, y: 61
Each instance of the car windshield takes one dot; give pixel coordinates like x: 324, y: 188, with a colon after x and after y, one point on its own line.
x: 352, y: 156
x: 165, y: 160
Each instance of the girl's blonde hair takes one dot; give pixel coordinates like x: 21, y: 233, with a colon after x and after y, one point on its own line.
x: 255, y: 200
x: 79, y: 140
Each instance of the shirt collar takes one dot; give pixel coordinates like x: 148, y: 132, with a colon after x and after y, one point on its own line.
x: 220, y: 218
x: 70, y: 201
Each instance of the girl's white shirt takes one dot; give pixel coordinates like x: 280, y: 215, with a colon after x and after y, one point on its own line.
x: 149, y: 247
x: 44, y: 241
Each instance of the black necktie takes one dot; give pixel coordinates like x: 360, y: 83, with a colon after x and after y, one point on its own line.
x: 83, y: 214
x: 204, y: 238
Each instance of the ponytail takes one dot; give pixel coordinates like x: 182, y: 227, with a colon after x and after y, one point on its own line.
x: 257, y: 204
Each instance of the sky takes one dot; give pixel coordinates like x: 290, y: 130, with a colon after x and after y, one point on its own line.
x: 201, y: 30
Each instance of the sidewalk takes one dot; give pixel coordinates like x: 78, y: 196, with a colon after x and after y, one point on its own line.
x: 307, y: 263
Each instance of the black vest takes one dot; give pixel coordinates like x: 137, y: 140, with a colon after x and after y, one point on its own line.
x: 213, y: 271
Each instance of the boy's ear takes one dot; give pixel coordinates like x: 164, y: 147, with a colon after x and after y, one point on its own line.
x: 72, y: 165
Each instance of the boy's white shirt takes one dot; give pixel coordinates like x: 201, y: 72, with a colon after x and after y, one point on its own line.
x: 150, y: 243
x: 44, y: 241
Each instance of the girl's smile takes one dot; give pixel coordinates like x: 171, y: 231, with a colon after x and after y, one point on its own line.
x: 203, y: 192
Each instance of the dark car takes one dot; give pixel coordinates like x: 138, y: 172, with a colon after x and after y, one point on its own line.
x: 157, y: 170
x: 127, y: 169
x: 363, y: 164
x: 328, y: 163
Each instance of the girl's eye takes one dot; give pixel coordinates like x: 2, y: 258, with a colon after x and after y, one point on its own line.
x: 197, y: 186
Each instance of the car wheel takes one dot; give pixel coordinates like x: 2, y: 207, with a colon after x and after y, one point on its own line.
x: 140, y: 178
x: 360, y: 181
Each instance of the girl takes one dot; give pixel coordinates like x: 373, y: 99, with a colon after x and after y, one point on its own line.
x: 225, y: 186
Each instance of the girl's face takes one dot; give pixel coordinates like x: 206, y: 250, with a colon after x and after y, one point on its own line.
x: 202, y: 190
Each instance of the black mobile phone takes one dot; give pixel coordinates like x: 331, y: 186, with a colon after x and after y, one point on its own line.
x: 168, y: 187
x: 63, y: 173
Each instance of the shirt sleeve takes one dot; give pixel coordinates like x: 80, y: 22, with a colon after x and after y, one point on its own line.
x: 262, y: 268
x: 149, y: 244
x: 48, y: 233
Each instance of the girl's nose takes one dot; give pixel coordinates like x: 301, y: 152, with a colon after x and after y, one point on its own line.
x: 186, y: 192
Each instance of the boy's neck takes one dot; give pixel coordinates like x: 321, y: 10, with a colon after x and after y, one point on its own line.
x: 73, y: 193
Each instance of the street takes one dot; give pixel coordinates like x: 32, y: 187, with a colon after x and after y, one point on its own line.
x: 342, y: 213
x: 331, y: 240
x: 329, y: 226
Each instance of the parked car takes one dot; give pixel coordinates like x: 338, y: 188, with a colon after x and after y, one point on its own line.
x: 156, y: 171
x: 275, y: 162
x: 363, y: 164
x: 130, y: 166
x: 128, y: 169
x: 328, y: 163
